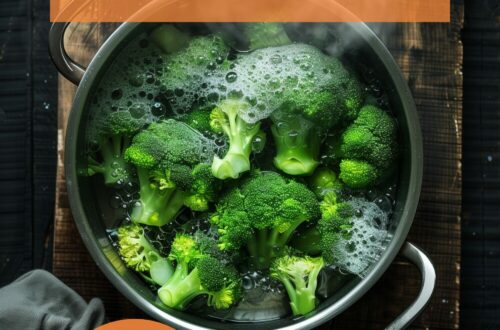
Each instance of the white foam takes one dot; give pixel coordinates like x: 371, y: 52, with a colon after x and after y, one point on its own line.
x: 258, y: 77
x: 368, y: 240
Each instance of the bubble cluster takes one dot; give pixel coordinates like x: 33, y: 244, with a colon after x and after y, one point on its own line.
x: 368, y: 240
x: 132, y: 84
x: 258, y: 78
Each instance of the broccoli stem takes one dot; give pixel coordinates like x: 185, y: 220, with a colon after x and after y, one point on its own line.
x: 181, y: 288
x: 308, y: 241
x: 113, y: 166
x: 268, y: 245
x: 301, y: 292
x: 156, y: 207
x: 303, y: 300
x: 297, y: 146
x: 240, y: 134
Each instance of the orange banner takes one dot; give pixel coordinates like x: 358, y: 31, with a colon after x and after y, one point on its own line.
x: 250, y: 10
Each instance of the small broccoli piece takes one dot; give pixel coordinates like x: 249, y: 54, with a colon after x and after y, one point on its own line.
x: 199, y: 119
x: 324, y: 180
x: 311, y: 108
x: 185, y: 67
x: 262, y: 214
x: 204, y: 188
x: 262, y: 35
x: 169, y: 161
x: 197, y: 273
x: 299, y: 275
x: 368, y: 148
x: 334, y: 225
x: 112, y: 132
x: 140, y: 255
x: 225, y: 119
x: 169, y: 39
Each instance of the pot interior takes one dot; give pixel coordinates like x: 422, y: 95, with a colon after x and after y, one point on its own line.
x: 360, y: 50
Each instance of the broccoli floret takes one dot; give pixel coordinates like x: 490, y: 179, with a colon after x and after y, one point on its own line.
x: 112, y: 132
x: 262, y: 214
x: 197, y: 273
x: 169, y: 39
x: 299, y: 275
x: 334, y: 225
x: 262, y: 35
x: 225, y: 119
x: 368, y: 148
x: 169, y: 161
x: 310, y: 108
x: 140, y: 255
x: 324, y: 180
x: 185, y: 67
x: 199, y: 119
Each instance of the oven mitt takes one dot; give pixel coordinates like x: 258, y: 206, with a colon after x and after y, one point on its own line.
x: 38, y: 300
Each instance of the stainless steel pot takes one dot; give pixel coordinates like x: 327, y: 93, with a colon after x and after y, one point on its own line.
x: 374, y: 55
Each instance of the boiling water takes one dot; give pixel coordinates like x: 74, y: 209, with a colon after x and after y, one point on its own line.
x: 134, y: 83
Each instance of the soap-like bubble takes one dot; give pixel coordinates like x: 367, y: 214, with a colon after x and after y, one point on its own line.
x: 368, y: 239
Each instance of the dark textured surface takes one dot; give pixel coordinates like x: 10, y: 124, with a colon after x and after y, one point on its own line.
x: 480, y: 292
x: 28, y: 115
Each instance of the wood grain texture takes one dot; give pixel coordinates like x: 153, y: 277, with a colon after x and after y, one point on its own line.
x: 71, y: 261
x: 430, y: 56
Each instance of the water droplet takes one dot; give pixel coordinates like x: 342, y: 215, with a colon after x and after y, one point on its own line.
x: 276, y: 59
x: 231, y: 77
x: 117, y: 94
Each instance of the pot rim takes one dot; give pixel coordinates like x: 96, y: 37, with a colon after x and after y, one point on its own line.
x: 399, y: 237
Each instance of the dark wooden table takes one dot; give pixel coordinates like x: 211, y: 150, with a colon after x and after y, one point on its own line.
x: 430, y: 56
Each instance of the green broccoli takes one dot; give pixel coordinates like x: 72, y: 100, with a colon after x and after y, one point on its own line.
x: 140, y: 255
x: 185, y: 69
x: 368, y: 148
x: 171, y: 172
x: 225, y: 119
x: 324, y: 180
x: 197, y: 273
x: 299, y: 275
x: 334, y: 225
x: 169, y: 39
x: 199, y: 119
x: 322, y: 95
x: 262, y: 214
x: 262, y: 35
x: 112, y: 132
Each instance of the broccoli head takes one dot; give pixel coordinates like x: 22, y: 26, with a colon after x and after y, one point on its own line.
x: 368, y: 148
x: 262, y: 35
x: 198, y: 273
x: 112, y: 133
x: 199, y: 119
x: 262, y: 214
x: 169, y: 39
x: 169, y: 157
x: 225, y: 119
x: 334, y: 225
x: 140, y: 255
x: 187, y: 66
x: 325, y: 96
x: 299, y: 276
x: 324, y: 180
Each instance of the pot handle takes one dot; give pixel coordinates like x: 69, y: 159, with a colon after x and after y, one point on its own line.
x: 65, y: 65
x: 424, y: 264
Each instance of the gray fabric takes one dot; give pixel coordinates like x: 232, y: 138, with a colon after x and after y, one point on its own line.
x: 38, y: 300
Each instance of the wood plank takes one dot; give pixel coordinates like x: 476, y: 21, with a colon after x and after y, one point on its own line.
x: 71, y: 261
x: 430, y: 56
